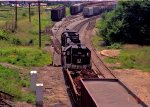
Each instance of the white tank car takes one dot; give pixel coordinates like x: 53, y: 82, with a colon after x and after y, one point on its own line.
x: 88, y: 11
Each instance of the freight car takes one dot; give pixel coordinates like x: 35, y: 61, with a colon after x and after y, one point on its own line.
x: 58, y: 13
x: 76, y: 8
x: 97, y: 92
x: 96, y: 10
x: 74, y: 55
x: 107, y: 93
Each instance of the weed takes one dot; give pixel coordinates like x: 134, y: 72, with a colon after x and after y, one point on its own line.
x: 11, y: 82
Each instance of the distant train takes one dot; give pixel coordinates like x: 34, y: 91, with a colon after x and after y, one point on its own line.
x: 92, y: 8
x: 96, y: 10
x: 75, y: 56
x: 88, y: 9
x: 76, y: 8
x: 58, y: 13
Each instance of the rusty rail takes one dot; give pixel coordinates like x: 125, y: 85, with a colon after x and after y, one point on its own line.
x: 4, y: 98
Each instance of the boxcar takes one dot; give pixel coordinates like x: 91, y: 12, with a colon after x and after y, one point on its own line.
x: 96, y: 10
x: 58, y: 13
x: 76, y: 8
x: 88, y: 11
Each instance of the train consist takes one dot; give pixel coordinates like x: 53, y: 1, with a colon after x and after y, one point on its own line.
x: 76, y: 8
x: 86, y: 88
x: 75, y: 56
x: 58, y: 13
x: 88, y: 8
x: 96, y: 10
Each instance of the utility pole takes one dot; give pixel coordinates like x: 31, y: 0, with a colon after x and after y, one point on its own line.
x: 29, y: 12
x: 15, y: 15
x: 39, y: 24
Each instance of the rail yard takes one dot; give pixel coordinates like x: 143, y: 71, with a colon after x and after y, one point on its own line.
x: 78, y: 77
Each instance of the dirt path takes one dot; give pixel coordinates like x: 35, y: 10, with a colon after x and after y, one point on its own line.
x: 55, y: 93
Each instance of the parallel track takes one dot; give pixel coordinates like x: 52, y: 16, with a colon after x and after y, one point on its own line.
x: 96, y: 60
x: 101, y: 68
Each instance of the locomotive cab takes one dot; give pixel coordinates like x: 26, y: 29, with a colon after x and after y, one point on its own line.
x: 77, y: 57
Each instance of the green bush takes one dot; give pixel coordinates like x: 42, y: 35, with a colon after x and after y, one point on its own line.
x: 128, y: 23
x: 16, y: 41
x: 115, y: 46
x: 3, y: 35
x: 24, y: 14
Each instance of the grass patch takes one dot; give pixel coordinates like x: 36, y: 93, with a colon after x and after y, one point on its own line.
x: 137, y: 58
x: 21, y: 48
x: 130, y: 57
x: 97, y: 41
x: 98, y: 24
x: 67, y: 11
x: 25, y: 56
x: 11, y: 82
x: 115, y: 46
x: 27, y: 33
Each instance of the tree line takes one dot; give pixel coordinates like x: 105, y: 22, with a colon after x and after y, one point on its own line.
x: 128, y: 23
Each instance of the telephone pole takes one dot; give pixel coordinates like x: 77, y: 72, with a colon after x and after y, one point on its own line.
x: 15, y: 15
x: 29, y: 12
x: 39, y: 24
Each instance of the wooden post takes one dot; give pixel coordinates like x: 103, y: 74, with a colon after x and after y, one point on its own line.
x: 29, y: 12
x: 16, y: 15
x: 39, y: 24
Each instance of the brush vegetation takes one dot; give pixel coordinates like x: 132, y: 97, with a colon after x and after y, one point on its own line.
x: 128, y: 23
x: 12, y: 82
x: 20, y: 48
x: 115, y: 31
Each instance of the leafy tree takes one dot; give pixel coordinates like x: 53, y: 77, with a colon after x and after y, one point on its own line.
x: 128, y: 23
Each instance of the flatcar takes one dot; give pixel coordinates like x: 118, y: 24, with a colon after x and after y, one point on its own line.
x: 76, y: 8
x: 58, y: 13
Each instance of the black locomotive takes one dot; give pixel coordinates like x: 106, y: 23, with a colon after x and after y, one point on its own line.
x: 75, y: 56
x: 58, y: 13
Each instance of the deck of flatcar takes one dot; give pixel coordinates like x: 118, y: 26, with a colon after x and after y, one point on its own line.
x: 110, y: 93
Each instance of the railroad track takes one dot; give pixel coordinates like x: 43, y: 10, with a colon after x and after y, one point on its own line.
x: 102, y: 69
x: 56, y: 38
x: 68, y: 21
